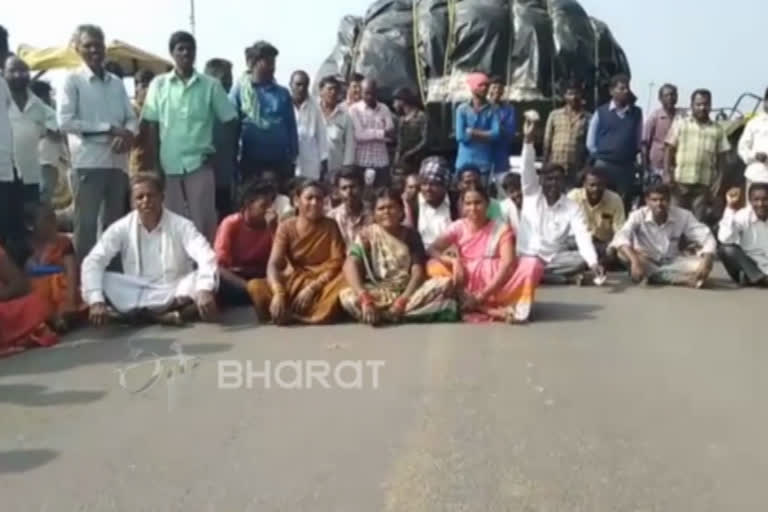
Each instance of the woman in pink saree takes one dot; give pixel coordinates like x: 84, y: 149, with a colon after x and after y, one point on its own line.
x: 491, y: 285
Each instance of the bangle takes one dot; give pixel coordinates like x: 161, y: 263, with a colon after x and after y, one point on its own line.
x: 366, y: 299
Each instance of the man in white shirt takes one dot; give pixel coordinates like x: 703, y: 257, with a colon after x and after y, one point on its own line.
x: 352, y: 215
x: 159, y: 251
x: 31, y: 120
x: 53, y: 152
x: 549, y: 221
x: 743, y: 234
x: 753, y: 146
x: 338, y: 126
x: 650, y: 242
x: 434, y: 213
x: 513, y: 202
x: 93, y: 108
x: 312, y: 161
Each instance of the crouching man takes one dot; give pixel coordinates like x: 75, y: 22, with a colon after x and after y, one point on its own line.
x: 744, y: 237
x: 170, y: 272
x: 649, y: 242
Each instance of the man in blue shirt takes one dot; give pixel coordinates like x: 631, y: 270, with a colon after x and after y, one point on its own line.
x: 268, y: 135
x: 507, y: 126
x: 477, y: 128
x: 614, y: 138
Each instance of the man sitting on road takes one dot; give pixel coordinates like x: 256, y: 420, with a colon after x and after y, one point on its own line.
x: 743, y: 234
x: 435, y: 210
x: 650, y: 242
x: 159, y: 251
x: 549, y: 220
x: 604, y: 209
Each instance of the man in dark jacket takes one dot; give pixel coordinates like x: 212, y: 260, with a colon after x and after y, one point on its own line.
x: 615, y: 138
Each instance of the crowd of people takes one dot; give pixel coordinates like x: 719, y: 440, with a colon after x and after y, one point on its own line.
x: 207, y: 191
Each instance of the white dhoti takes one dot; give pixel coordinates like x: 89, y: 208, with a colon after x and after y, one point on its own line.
x: 680, y: 270
x: 128, y: 293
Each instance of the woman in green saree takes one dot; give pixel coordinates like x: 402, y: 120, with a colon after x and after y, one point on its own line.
x: 385, y: 272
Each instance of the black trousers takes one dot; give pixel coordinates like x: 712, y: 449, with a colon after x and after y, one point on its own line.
x: 231, y: 295
x: 13, y: 196
x: 225, y: 201
x: 285, y: 171
x: 621, y: 179
x: 737, y: 262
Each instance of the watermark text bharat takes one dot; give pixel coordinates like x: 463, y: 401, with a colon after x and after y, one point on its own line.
x: 299, y: 374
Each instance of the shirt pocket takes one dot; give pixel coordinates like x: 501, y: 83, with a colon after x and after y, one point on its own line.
x: 708, y: 144
x: 334, y: 133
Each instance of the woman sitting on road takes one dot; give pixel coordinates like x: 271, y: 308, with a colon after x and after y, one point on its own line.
x: 22, y: 314
x: 52, y: 268
x: 386, y: 274
x: 484, y: 274
x: 243, y: 243
x: 311, y: 244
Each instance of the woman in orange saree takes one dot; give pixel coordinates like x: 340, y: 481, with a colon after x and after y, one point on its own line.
x: 22, y: 314
x: 304, y: 275
x: 53, y: 268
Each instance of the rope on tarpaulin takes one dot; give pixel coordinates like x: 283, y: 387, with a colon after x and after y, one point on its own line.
x: 511, y: 42
x: 596, y: 84
x: 451, y: 43
x: 354, y: 51
x: 416, y: 39
x: 553, y: 81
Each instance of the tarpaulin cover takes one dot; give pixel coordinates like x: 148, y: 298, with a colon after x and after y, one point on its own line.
x: 385, y: 50
x: 430, y: 45
x: 339, y: 63
x: 432, y: 28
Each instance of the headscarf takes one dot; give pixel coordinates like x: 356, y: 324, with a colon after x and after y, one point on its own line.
x: 435, y: 169
x: 475, y: 80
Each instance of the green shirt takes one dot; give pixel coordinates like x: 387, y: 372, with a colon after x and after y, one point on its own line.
x: 186, y: 113
x: 495, y: 212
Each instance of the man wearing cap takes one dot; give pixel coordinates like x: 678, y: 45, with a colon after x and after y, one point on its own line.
x: 435, y: 212
x: 411, y: 131
x: 477, y: 127
x: 268, y: 133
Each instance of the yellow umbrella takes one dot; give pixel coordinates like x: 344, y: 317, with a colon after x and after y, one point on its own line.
x: 128, y: 57
x: 49, y: 58
x: 131, y: 59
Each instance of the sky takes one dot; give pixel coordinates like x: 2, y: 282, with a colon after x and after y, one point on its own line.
x: 691, y: 43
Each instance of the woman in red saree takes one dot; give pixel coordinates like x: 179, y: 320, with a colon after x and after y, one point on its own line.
x: 22, y: 314
x: 52, y: 268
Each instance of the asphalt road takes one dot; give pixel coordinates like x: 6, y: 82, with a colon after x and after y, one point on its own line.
x: 615, y: 399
